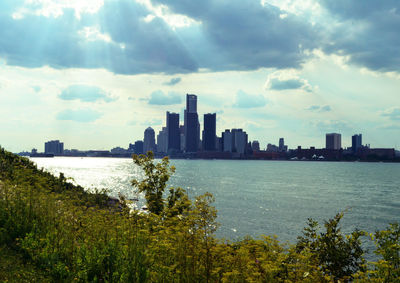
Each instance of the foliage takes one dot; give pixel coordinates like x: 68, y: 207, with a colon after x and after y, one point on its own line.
x: 338, y: 255
x: 66, y: 234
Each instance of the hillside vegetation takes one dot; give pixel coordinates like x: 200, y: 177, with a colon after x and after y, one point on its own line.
x: 54, y: 231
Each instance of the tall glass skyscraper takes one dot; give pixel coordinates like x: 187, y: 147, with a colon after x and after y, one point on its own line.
x: 173, y: 135
x: 191, y: 123
x: 356, y: 142
x: 209, y: 134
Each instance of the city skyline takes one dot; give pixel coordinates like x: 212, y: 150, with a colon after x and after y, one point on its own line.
x: 95, y: 74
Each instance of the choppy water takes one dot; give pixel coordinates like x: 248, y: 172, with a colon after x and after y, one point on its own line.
x: 262, y: 197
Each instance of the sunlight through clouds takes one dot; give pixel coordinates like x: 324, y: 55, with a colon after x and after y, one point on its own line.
x: 54, y: 8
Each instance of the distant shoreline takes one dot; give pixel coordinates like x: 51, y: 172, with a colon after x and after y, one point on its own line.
x: 233, y: 159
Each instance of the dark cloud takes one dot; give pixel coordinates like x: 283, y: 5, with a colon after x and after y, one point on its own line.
x: 233, y: 35
x: 173, y: 81
x: 80, y: 115
x: 227, y: 35
x: 287, y: 84
x: 368, y: 32
x: 244, y: 100
x: 158, y: 97
x: 392, y: 113
x: 244, y: 35
x: 85, y: 93
x: 277, y: 84
x: 134, y: 45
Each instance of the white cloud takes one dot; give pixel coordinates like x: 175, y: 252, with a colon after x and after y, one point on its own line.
x: 287, y: 80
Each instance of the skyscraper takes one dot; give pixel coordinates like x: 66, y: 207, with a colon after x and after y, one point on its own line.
x: 239, y: 140
x: 138, y: 147
x: 149, y: 143
x: 54, y: 147
x: 255, y: 146
x: 162, y: 144
x: 356, y: 142
x: 281, y: 144
x: 191, y: 124
x: 209, y: 134
x: 333, y: 141
x: 173, y: 136
x: 227, y: 141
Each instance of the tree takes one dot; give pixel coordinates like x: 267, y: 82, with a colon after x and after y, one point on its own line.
x: 154, y: 184
x: 338, y: 255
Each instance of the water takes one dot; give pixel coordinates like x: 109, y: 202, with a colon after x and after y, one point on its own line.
x: 262, y: 197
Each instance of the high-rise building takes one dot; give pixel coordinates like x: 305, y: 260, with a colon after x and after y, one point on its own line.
x: 333, y: 141
x: 209, y: 133
x: 191, y: 124
x: 227, y: 141
x: 281, y: 144
x: 173, y: 135
x: 239, y: 140
x: 162, y: 143
x: 149, y: 142
x: 191, y: 103
x: 54, y: 147
x: 255, y: 146
x: 138, y: 147
x: 356, y: 142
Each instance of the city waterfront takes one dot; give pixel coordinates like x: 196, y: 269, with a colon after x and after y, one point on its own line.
x: 261, y: 197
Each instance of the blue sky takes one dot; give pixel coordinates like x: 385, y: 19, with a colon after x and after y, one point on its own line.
x: 95, y: 73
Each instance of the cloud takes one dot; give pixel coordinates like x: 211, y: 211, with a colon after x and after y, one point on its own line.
x: 80, y: 115
x: 244, y: 35
x: 36, y: 88
x: 317, y: 108
x: 115, y: 38
x: 148, y: 123
x: 336, y: 126
x: 390, y: 127
x: 313, y: 108
x: 158, y: 97
x: 173, y: 81
x: 393, y: 113
x: 244, y: 100
x: 85, y: 93
x: 127, y: 37
x: 366, y: 32
x: 287, y: 80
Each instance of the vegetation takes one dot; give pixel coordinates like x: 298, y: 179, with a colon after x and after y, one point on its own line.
x: 55, y: 231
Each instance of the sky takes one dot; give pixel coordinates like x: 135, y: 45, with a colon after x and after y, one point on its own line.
x: 96, y: 73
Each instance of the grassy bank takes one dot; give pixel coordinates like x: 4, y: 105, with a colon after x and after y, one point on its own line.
x: 56, y: 231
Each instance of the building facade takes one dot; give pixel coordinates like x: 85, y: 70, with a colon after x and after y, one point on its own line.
x: 356, y: 142
x: 54, y: 147
x: 162, y: 142
x: 239, y: 140
x: 173, y: 135
x: 333, y: 141
x: 149, y: 141
x: 138, y: 147
x: 191, y: 124
x: 209, y: 133
x: 227, y: 141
